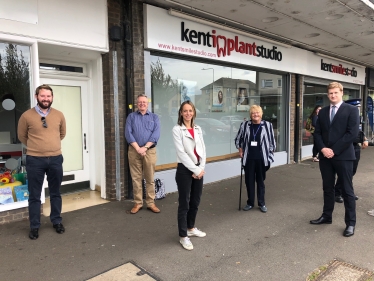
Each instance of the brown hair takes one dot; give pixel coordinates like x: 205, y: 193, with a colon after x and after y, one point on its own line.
x: 45, y: 87
x: 180, y: 117
x: 333, y: 85
x: 255, y: 108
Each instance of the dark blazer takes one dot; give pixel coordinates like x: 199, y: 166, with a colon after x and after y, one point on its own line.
x: 338, y: 135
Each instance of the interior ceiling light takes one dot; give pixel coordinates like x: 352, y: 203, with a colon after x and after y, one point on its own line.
x: 334, y: 17
x: 343, y: 46
x: 270, y: 19
x: 311, y: 35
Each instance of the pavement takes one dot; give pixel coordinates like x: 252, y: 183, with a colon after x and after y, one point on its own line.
x: 278, y: 245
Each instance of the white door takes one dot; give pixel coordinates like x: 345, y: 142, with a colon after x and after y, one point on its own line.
x: 70, y: 97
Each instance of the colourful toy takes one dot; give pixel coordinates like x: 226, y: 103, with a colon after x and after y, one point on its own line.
x: 6, y: 177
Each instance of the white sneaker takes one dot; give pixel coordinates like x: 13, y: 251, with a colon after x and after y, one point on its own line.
x: 196, y: 232
x: 186, y: 243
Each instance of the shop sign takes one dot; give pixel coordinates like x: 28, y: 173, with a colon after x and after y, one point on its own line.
x: 225, y: 45
x: 339, y: 69
x: 167, y: 33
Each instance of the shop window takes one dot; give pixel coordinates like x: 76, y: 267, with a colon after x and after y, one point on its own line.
x: 267, y: 83
x: 222, y: 97
x: 14, y: 87
x: 14, y: 100
x: 316, y: 95
x: 58, y: 67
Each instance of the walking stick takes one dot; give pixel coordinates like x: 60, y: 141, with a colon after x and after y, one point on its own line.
x: 241, y: 180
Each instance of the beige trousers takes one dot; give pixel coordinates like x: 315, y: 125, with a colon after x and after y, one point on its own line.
x: 143, y: 167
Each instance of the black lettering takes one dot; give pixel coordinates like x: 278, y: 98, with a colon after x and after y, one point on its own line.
x: 272, y: 53
x: 184, y: 32
x: 193, y: 35
x: 208, y: 36
x: 201, y: 34
x: 279, y: 56
x: 259, y: 51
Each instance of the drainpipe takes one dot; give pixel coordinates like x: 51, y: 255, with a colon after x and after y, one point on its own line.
x: 115, y: 36
x: 127, y: 27
x: 297, y: 119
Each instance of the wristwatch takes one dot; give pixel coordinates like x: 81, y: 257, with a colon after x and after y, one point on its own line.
x: 147, y: 147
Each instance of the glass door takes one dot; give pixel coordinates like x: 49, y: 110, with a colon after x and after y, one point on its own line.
x: 70, y: 98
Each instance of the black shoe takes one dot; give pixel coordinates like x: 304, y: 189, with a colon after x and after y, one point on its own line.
x: 321, y: 220
x: 338, y: 199
x: 247, y: 208
x: 356, y: 197
x: 34, y: 233
x: 59, y: 228
x: 349, y: 231
x: 263, y: 209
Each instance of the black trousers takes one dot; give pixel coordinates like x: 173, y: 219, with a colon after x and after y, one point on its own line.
x: 338, y: 185
x: 255, y: 171
x: 36, y: 168
x: 344, y: 170
x: 315, y: 148
x: 189, y: 191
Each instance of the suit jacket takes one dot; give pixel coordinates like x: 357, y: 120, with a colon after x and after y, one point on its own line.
x: 340, y: 134
x: 268, y: 146
x: 185, y: 145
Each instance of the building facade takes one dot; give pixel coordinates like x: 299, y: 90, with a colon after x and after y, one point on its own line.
x: 97, y: 62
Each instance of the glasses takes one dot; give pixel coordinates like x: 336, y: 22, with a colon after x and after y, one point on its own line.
x: 44, y: 122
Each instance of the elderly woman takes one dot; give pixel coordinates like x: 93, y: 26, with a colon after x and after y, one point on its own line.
x: 256, y: 144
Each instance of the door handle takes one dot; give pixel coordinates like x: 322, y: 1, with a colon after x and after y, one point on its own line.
x: 84, y: 141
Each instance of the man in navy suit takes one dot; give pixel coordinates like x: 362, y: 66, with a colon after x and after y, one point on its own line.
x: 336, y: 129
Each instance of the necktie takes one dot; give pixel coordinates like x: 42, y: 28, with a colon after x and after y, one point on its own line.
x: 332, y: 113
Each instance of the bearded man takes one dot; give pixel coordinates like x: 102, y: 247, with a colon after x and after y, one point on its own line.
x: 41, y: 130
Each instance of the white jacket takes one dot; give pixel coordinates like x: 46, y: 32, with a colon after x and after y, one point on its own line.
x: 185, y: 145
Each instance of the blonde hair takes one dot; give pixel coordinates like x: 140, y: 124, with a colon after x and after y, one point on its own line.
x: 255, y: 108
x: 334, y: 85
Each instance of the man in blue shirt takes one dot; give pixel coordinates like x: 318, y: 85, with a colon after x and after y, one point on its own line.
x: 142, y: 133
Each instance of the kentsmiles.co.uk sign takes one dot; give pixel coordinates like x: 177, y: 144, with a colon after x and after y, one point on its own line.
x: 167, y: 33
x: 225, y: 46
x: 338, y: 69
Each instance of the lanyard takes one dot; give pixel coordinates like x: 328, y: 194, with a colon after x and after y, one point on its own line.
x: 254, y: 134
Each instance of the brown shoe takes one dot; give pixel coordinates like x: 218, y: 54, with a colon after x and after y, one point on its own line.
x: 136, y: 208
x: 154, y: 209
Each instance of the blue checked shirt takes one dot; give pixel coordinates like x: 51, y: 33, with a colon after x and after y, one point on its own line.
x: 142, y: 128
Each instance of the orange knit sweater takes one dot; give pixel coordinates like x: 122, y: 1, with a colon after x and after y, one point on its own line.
x: 40, y: 141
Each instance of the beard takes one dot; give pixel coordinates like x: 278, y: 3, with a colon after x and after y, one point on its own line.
x: 42, y: 106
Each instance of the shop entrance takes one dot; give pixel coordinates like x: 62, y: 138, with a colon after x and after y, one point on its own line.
x: 70, y: 97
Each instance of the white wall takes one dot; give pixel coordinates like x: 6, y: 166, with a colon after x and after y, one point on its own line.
x: 82, y: 23
x: 216, y: 171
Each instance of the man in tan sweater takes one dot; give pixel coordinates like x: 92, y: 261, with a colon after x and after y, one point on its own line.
x: 41, y: 129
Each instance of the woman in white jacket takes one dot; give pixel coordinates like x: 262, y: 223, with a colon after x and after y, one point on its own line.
x: 191, y: 156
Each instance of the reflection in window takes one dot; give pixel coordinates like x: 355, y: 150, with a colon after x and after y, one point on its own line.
x: 14, y: 86
x: 267, y: 83
x: 315, y: 94
x: 222, y: 97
